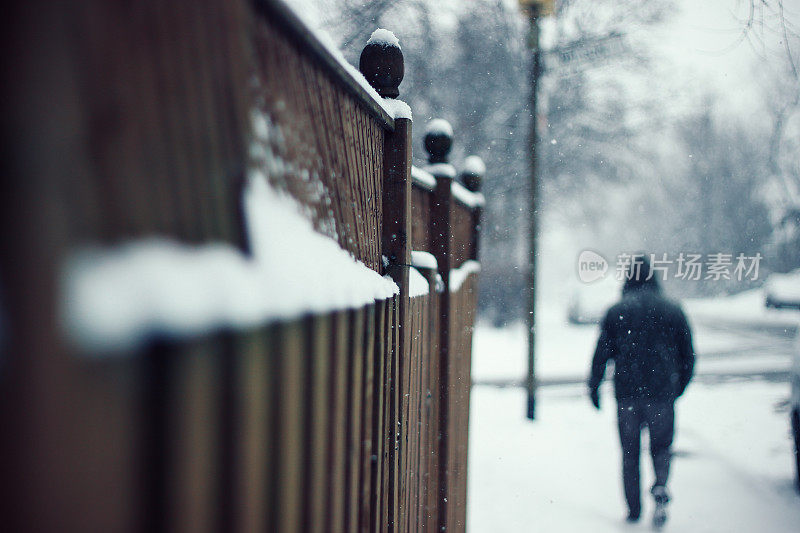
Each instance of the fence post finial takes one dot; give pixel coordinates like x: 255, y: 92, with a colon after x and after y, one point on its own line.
x: 438, y: 140
x: 472, y: 174
x: 382, y: 64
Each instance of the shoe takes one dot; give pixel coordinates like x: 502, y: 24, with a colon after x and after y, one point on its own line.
x: 662, y: 499
x: 660, y: 515
x: 633, y: 517
x: 660, y: 494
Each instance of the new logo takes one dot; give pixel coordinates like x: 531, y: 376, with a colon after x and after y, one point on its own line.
x: 591, y: 266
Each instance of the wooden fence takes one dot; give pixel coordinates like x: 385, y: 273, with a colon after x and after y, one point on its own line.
x: 125, y: 121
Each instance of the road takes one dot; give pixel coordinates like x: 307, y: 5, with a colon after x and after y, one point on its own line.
x: 724, y: 349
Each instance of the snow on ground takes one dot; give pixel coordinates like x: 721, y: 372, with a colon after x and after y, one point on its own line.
x: 733, y: 469
x: 563, y: 350
x: 736, y: 334
x: 732, y: 472
x: 745, y: 308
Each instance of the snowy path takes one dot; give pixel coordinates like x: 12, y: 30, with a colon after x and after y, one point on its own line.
x: 732, y: 472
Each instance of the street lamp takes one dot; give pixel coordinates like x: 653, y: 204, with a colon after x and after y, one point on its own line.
x: 535, y: 9
x: 545, y: 7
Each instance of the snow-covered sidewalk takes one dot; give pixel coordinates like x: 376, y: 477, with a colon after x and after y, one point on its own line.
x: 732, y: 473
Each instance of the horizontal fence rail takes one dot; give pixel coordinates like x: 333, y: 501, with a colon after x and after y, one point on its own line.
x: 171, y: 360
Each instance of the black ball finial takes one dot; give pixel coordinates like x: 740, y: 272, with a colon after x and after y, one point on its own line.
x: 382, y: 64
x: 438, y: 140
x: 472, y: 175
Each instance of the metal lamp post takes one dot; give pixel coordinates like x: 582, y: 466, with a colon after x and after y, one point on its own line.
x: 535, y: 9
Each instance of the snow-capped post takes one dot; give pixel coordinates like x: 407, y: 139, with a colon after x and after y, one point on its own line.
x: 472, y: 177
x: 472, y: 173
x: 381, y: 63
x: 438, y: 142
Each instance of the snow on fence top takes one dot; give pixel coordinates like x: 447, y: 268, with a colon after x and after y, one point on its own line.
x: 118, y: 298
x: 324, y: 45
x: 439, y: 126
x: 467, y: 197
x: 459, y: 275
x: 384, y: 38
x: 397, y: 108
x: 417, y: 284
x: 442, y: 169
x: 423, y: 177
x: 421, y: 259
x: 474, y: 165
x: 462, y: 194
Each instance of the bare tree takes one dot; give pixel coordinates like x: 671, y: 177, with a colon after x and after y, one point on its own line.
x: 772, y: 28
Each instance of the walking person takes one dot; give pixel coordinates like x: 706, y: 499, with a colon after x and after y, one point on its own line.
x: 649, y: 340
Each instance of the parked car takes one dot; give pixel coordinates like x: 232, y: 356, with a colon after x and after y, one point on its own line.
x: 794, y: 411
x: 782, y: 291
x: 590, y: 301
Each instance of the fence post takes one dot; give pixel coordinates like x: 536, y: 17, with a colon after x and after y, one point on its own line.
x: 381, y: 63
x: 472, y: 177
x: 438, y: 141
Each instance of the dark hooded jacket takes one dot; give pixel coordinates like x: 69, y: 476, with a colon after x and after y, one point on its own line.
x: 650, y: 342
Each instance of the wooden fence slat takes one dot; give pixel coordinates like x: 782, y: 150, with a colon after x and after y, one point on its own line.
x: 319, y: 391
x: 193, y: 466
x: 424, y: 442
x: 441, y: 219
x: 370, y: 400
x: 395, y: 417
x: 387, y: 429
x: 337, y: 408
x: 255, y: 387
x: 377, y: 461
x: 435, y: 417
x: 355, y: 411
x: 290, y: 438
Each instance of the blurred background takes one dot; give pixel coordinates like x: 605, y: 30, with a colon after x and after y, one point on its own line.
x: 674, y: 128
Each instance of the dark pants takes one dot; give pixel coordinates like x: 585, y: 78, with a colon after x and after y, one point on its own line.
x: 659, y: 417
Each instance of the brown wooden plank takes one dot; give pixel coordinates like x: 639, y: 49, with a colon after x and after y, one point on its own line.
x: 410, y: 424
x: 396, y: 207
x: 424, y: 427
x: 368, y: 413
x: 354, y: 419
x: 441, y: 228
x: 337, y: 408
x: 387, y: 432
x: 395, y: 416
x: 319, y: 467
x: 256, y: 392
x: 290, y: 428
x: 434, y: 379
x: 378, y: 425
x: 421, y: 218
x: 404, y: 356
x: 421, y: 419
x: 194, y: 450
